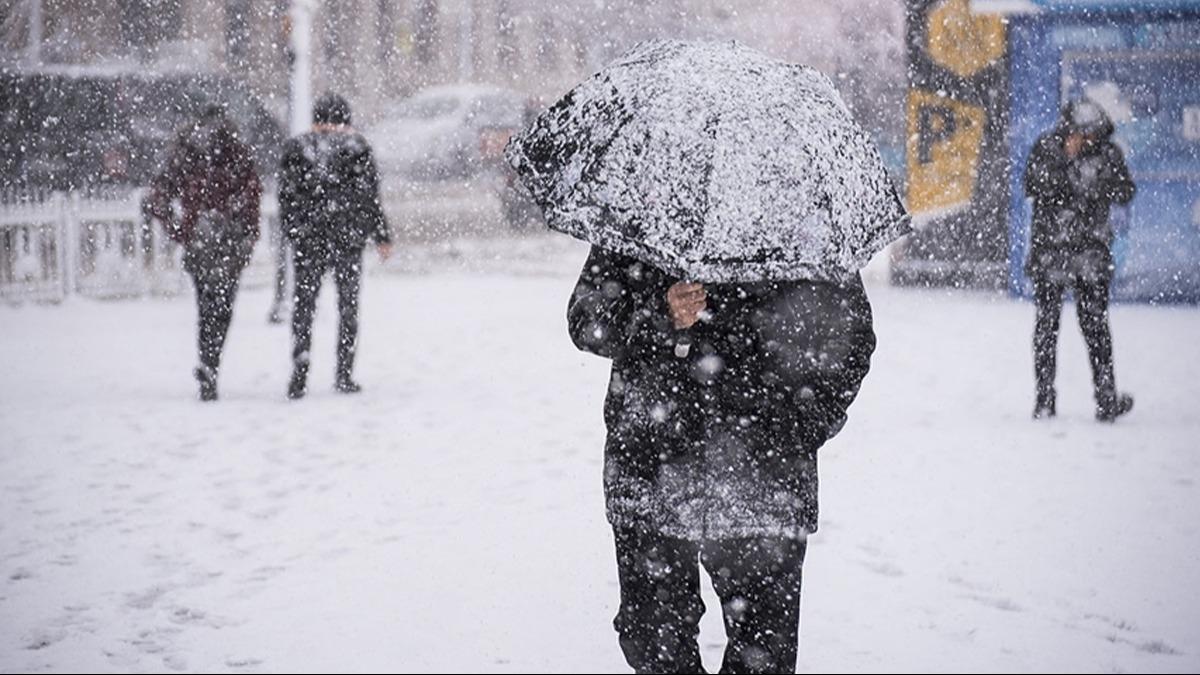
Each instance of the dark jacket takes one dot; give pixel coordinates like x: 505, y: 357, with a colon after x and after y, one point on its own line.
x: 723, y: 442
x: 1072, y: 197
x: 329, y: 191
x: 209, y: 171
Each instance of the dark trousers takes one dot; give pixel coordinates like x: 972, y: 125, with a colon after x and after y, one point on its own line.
x: 281, y: 249
x: 311, y: 264
x: 1091, y: 304
x: 757, y: 580
x: 215, y: 293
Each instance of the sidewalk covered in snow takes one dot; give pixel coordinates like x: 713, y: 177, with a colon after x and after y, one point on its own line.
x: 450, y: 517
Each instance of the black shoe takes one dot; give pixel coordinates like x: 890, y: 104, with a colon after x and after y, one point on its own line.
x: 345, y: 385
x: 1109, y: 412
x: 1044, y: 408
x: 298, y: 387
x: 208, y: 383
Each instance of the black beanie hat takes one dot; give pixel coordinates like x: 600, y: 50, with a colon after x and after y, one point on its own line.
x: 331, y: 109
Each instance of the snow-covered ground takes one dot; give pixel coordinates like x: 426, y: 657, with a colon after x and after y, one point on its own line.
x: 450, y: 517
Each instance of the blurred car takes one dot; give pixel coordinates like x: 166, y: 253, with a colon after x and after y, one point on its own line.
x: 71, y: 129
x: 445, y: 139
x: 452, y: 131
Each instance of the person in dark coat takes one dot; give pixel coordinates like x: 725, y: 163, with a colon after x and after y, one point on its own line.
x: 718, y: 401
x: 1074, y: 175
x: 329, y: 206
x: 211, y: 173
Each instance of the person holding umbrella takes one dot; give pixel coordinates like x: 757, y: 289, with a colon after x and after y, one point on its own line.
x: 730, y: 200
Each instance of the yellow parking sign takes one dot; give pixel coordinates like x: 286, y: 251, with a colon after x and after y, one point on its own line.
x: 944, y: 139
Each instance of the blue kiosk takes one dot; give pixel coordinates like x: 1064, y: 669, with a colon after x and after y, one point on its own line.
x: 1140, y: 60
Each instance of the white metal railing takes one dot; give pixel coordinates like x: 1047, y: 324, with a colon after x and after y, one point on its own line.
x: 32, y: 255
x: 97, y: 245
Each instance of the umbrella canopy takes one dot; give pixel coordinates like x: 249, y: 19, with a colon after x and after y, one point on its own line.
x: 715, y: 163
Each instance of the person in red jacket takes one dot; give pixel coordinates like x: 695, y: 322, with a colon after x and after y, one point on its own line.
x: 211, y: 174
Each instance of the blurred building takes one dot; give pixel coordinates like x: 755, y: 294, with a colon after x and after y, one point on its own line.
x: 371, y: 50
x: 375, y: 50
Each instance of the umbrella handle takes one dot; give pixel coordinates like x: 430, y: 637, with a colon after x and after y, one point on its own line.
x: 683, y: 346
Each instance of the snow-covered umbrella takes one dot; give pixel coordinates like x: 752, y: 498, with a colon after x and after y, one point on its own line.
x: 715, y: 163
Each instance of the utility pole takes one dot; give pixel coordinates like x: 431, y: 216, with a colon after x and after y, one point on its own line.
x: 466, y: 53
x: 33, y: 50
x: 300, y: 100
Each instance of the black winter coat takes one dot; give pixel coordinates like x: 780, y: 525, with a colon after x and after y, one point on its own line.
x: 1071, y: 235
x: 722, y: 442
x: 329, y: 192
